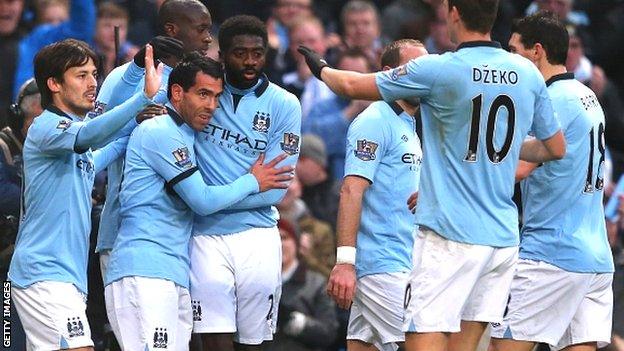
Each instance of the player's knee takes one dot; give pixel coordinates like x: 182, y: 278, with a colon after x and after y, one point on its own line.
x: 217, y: 342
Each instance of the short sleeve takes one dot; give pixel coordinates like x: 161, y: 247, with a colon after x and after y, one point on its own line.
x: 57, y: 135
x: 365, y: 147
x: 169, y: 156
x: 545, y: 123
x: 413, y: 79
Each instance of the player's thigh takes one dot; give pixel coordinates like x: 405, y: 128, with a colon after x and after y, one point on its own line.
x: 542, y: 302
x: 490, y: 292
x: 149, y: 313
x: 378, y: 317
x: 258, y: 262
x: 53, y: 316
x: 444, y: 274
x: 592, y: 320
x: 213, y: 285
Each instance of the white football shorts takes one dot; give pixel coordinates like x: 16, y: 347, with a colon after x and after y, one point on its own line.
x: 53, y: 316
x: 453, y: 281
x: 377, y: 310
x: 550, y: 305
x: 236, y: 283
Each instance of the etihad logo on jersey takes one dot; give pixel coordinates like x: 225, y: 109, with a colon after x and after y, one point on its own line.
x: 411, y: 158
x: 365, y: 150
x: 182, y: 157
x: 233, y: 140
x: 290, y: 143
x: 261, y: 122
x: 85, y: 165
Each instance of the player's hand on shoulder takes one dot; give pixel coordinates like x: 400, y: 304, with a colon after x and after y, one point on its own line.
x: 151, y: 111
x: 412, y: 201
x: 269, y: 176
x: 153, y: 75
x: 341, y: 284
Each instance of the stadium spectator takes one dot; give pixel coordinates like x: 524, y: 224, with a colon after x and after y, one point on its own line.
x: 307, y: 317
x: 109, y: 16
x: 306, y: 31
x: 317, y: 243
x: 320, y: 190
x: 361, y: 28
x: 81, y: 26
x: 439, y: 41
x: 10, y: 34
x: 331, y: 119
x: 52, y: 12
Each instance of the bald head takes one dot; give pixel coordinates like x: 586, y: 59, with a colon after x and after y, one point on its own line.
x: 177, y: 11
x: 188, y: 21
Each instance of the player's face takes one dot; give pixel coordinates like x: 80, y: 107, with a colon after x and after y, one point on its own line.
x: 244, y: 60
x: 516, y: 47
x: 195, y: 32
x: 76, y: 92
x: 198, y: 104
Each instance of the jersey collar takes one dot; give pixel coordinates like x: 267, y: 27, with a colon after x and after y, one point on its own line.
x: 58, y: 111
x: 396, y: 108
x: 174, y: 115
x: 259, y: 89
x: 476, y: 43
x: 562, y: 76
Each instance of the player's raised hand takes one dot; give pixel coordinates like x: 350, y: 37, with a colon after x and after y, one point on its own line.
x: 153, y: 75
x: 412, y: 201
x: 341, y: 284
x: 314, y: 60
x: 269, y: 176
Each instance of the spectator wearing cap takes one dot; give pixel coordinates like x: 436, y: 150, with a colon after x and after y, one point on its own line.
x: 320, y: 191
x: 307, y: 317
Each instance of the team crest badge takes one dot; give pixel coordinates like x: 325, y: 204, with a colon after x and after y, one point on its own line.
x: 397, y: 72
x: 366, y: 150
x: 160, y: 338
x: 197, y: 310
x: 75, y: 327
x: 290, y: 145
x: 183, y: 159
x: 63, y: 124
x: 261, y: 122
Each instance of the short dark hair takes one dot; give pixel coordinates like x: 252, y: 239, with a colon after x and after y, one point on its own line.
x: 391, y: 55
x: 545, y: 28
x: 354, y: 53
x: 477, y: 15
x: 241, y: 25
x: 185, y: 72
x: 55, y: 59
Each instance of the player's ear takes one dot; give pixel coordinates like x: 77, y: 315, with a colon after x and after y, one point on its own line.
x: 538, y: 52
x: 53, y: 84
x: 171, y: 29
x: 176, y: 93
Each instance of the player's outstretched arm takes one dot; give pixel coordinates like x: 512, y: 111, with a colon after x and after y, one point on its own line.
x: 539, y: 151
x: 99, y: 129
x: 345, y: 83
x: 341, y: 284
x: 109, y: 153
x: 206, y: 199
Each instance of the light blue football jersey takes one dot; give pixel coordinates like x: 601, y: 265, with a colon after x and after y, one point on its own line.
x: 53, y: 239
x: 156, y: 222
x: 263, y: 119
x: 383, y: 147
x: 120, y: 84
x: 564, y: 221
x: 477, y: 105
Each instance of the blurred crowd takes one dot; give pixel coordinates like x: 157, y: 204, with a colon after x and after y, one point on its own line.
x: 350, y: 35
